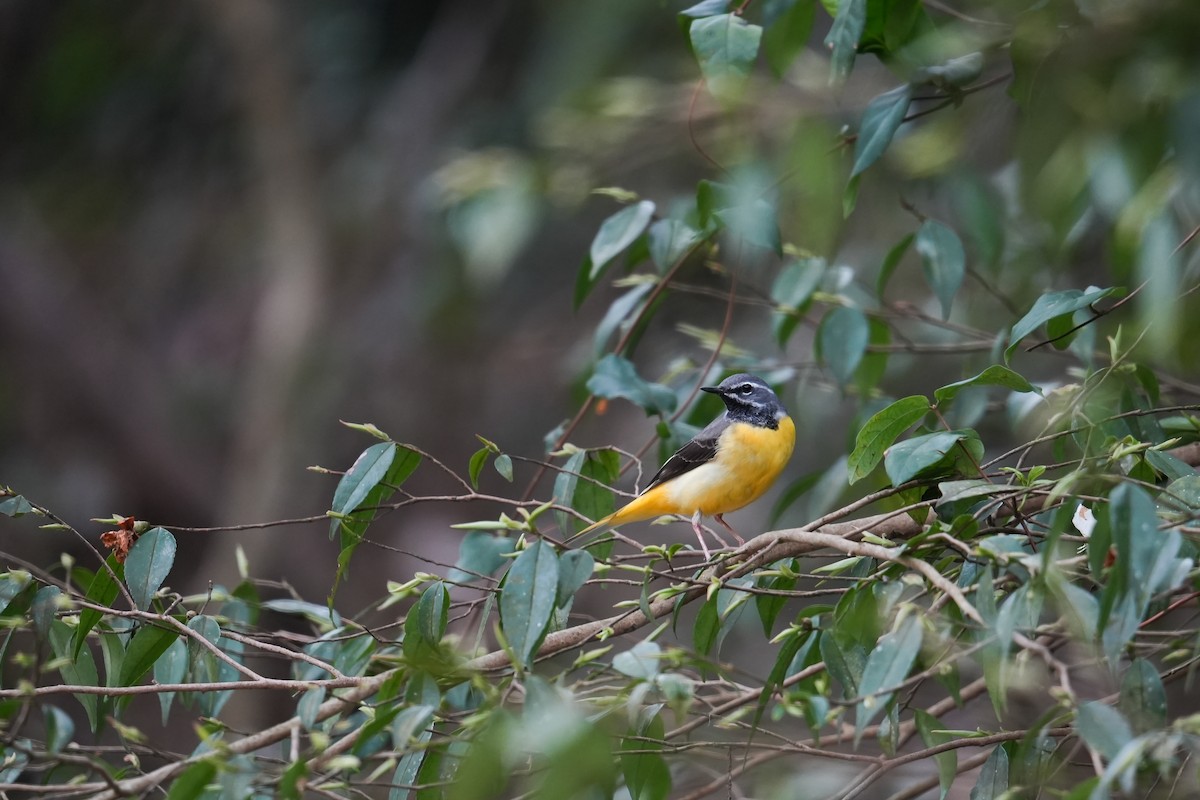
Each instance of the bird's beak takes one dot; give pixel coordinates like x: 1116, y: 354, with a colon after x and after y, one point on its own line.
x: 712, y: 389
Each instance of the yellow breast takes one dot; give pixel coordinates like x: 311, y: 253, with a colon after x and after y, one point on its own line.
x: 749, y: 459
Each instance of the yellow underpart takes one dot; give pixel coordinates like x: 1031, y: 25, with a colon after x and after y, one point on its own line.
x: 749, y: 459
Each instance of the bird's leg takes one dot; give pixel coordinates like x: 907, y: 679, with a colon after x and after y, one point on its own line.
x: 721, y: 519
x: 699, y: 533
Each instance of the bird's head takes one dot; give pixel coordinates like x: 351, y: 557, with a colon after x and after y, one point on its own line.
x: 746, y: 394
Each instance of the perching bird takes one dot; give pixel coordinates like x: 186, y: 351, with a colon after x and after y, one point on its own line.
x: 726, y: 466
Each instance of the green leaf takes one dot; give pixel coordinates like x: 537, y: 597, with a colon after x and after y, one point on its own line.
x: 43, y: 608
x: 408, y: 771
x: 943, y: 259
x: 77, y: 668
x: 783, y: 662
x: 705, y: 8
x: 1134, y: 526
x: 1103, y: 728
x: 880, y: 431
x: 621, y: 313
x: 792, y: 293
x: 321, y: 615
x: 1078, y: 607
x: 149, y: 561
x: 480, y: 553
x: 645, y: 771
x: 564, y: 489
x: 192, y: 782
x: 844, y: 662
x: 933, y: 735
x: 504, y: 466
x: 574, y: 568
x: 60, y: 728
x: 992, y: 782
x: 1052, y: 305
x: 1020, y: 612
x: 887, y: 665
x: 364, y: 475
x: 707, y: 627
x: 475, y: 465
x: 880, y: 121
x: 309, y: 705
x: 616, y: 233
x: 15, y: 506
x: 670, y: 240
x: 171, y: 667
x: 143, y: 652
x: 843, y: 37
x: 616, y: 377
x: 102, y: 591
x: 890, y: 262
x: 994, y: 375
x: 906, y: 460
x: 1143, y: 698
x: 426, y: 621
x: 842, y: 338
x: 725, y: 46
x: 527, y: 600
x: 640, y: 661
x: 591, y: 496
x: 786, y: 32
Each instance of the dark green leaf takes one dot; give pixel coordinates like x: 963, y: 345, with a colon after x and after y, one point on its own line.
x: 779, y: 672
x: 1019, y: 612
x: 880, y: 121
x: 364, y: 475
x: 843, y: 37
x: 933, y: 734
x: 143, y: 652
x: 426, y: 621
x: 845, y: 662
x: 887, y: 666
x: 842, y: 338
x: 906, y: 460
x: 616, y: 233
x: 102, y: 591
x: 574, y: 568
x: 149, y: 561
x: 890, y: 262
x: 1103, y: 728
x: 943, y: 260
x: 527, y: 600
x: 725, y: 46
x: 881, y: 431
x: 992, y: 782
x: 475, y: 466
x: 616, y: 377
x: 1078, y: 607
x: 646, y: 774
x: 706, y: 628
x: 591, y: 496
x: 787, y: 33
x: 1051, y: 305
x: 994, y: 375
x: 670, y: 240
x: 408, y: 771
x: 192, y: 782
x: 78, y: 668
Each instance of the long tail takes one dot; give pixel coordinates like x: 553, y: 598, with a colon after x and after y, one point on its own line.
x: 644, y: 506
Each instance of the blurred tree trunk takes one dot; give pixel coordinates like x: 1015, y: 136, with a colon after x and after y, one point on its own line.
x: 293, y: 268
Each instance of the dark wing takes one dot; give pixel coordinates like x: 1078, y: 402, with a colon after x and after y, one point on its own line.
x: 701, y: 449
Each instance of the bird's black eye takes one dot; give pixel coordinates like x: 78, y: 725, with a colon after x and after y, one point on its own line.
x: 745, y: 388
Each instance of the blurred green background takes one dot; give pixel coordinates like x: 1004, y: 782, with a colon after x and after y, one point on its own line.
x: 226, y: 225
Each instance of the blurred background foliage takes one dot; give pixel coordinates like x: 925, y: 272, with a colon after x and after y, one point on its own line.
x: 226, y: 225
